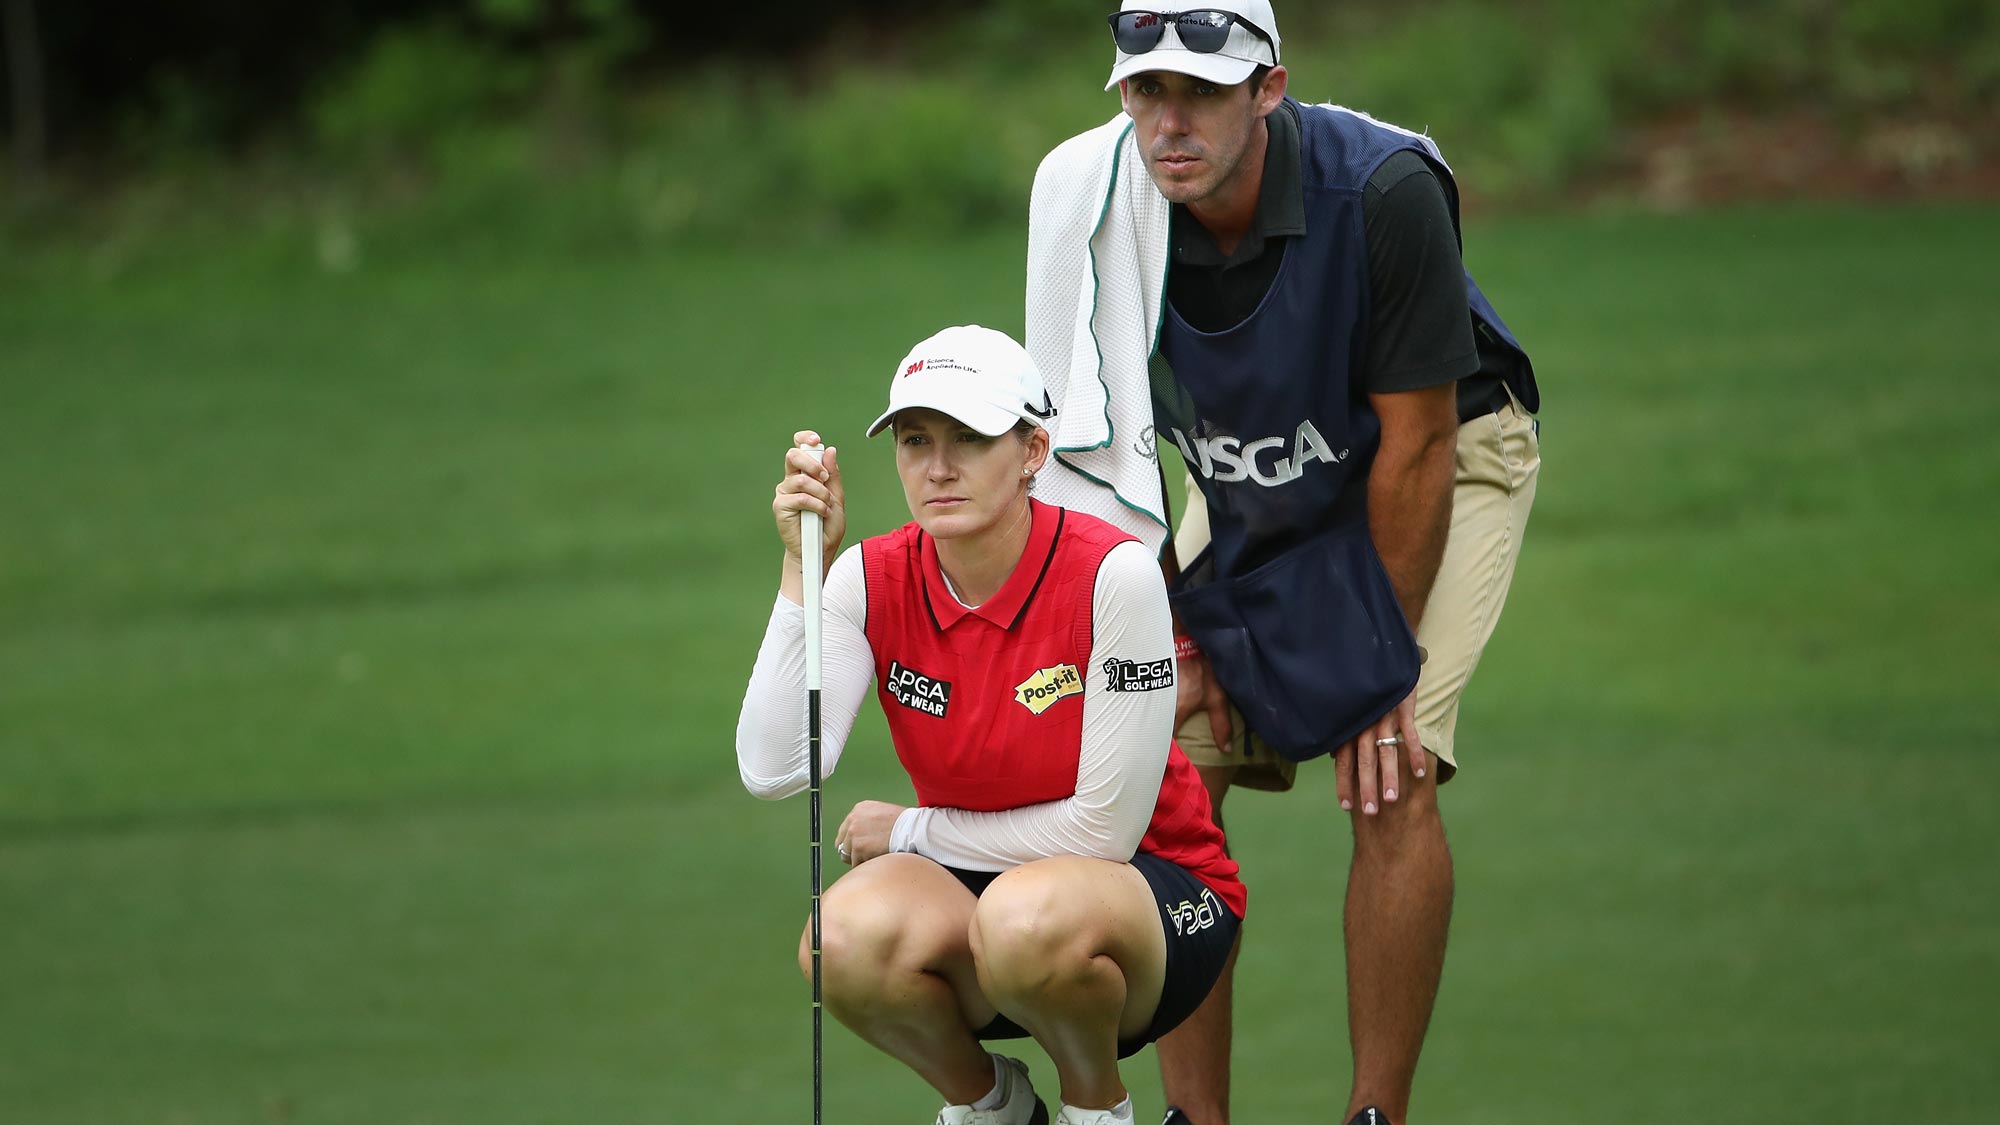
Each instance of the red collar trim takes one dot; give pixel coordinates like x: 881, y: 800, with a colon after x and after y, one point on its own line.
x: 1004, y: 608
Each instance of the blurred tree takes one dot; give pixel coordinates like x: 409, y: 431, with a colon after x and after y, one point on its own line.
x: 113, y: 66
x: 146, y: 80
x: 24, y: 74
x: 224, y: 68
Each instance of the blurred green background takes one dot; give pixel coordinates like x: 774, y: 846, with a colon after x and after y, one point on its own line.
x: 390, y: 395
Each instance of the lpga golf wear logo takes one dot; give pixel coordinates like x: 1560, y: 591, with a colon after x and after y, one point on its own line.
x: 1191, y: 917
x: 917, y: 691
x: 1127, y: 675
x: 1045, y: 688
x: 1227, y: 459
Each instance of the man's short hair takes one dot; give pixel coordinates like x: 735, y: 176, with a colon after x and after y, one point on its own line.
x: 1257, y: 77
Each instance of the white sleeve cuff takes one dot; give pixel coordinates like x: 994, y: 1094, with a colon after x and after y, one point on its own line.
x: 909, y: 825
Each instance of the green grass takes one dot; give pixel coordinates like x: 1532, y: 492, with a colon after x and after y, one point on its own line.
x: 370, y: 647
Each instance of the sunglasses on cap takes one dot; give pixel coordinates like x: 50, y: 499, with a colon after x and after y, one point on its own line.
x: 1202, y: 30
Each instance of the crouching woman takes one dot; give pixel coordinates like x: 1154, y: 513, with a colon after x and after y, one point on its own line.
x: 1060, y: 876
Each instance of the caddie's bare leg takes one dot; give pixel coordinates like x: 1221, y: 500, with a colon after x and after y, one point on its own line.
x: 1399, y: 891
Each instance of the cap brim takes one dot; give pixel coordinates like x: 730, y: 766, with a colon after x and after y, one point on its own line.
x: 1217, y: 68
x: 984, y: 417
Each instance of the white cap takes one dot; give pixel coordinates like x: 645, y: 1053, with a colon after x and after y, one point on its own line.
x: 1244, y: 51
x: 976, y: 375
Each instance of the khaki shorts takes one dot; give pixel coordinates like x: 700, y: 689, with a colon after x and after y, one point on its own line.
x: 1499, y: 457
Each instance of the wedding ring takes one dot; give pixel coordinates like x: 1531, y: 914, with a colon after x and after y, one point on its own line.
x: 1392, y: 740
x: 842, y: 849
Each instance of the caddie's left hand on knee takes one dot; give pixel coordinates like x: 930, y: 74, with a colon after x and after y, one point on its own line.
x: 1370, y: 769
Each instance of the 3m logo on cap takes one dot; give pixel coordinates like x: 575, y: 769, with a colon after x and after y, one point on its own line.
x: 1047, y: 687
x: 917, y: 691
x: 939, y: 363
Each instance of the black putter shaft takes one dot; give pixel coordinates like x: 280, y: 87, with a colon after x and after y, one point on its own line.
x: 814, y: 572
x: 812, y: 752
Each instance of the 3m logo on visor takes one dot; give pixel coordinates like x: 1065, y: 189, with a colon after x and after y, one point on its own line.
x: 917, y: 691
x: 1045, y: 688
x: 914, y: 368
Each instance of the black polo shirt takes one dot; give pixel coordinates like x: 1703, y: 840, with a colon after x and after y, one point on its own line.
x: 1419, y: 327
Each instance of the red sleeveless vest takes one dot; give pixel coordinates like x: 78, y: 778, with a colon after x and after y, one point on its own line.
x: 985, y: 705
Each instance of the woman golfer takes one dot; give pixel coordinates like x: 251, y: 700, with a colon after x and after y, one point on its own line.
x: 1061, y: 876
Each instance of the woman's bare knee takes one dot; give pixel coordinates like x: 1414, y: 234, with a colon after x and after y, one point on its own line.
x: 873, y: 923
x: 1063, y: 938
x: 1032, y: 925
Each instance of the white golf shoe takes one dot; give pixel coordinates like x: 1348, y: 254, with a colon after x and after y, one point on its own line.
x: 1018, y: 1103
x: 1070, y: 1115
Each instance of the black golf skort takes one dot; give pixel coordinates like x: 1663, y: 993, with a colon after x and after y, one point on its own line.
x: 1199, y: 927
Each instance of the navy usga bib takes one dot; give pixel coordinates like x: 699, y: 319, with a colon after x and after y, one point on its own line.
x: 1289, y: 601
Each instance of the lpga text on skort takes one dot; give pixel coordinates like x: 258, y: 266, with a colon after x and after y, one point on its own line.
x: 1191, y: 917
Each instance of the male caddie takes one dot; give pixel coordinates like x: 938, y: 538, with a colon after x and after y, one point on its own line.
x: 1277, y: 289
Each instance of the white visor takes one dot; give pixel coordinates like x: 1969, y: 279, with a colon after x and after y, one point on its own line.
x: 1242, y: 53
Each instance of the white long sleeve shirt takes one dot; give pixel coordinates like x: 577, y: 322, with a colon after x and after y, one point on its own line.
x: 1125, y: 738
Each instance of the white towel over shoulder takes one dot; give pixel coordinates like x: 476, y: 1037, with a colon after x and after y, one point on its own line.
x: 1097, y: 275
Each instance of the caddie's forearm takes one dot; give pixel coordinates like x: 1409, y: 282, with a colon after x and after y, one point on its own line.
x: 1170, y: 569
x: 1409, y: 515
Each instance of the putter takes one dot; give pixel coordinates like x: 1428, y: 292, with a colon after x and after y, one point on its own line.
x: 810, y: 563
